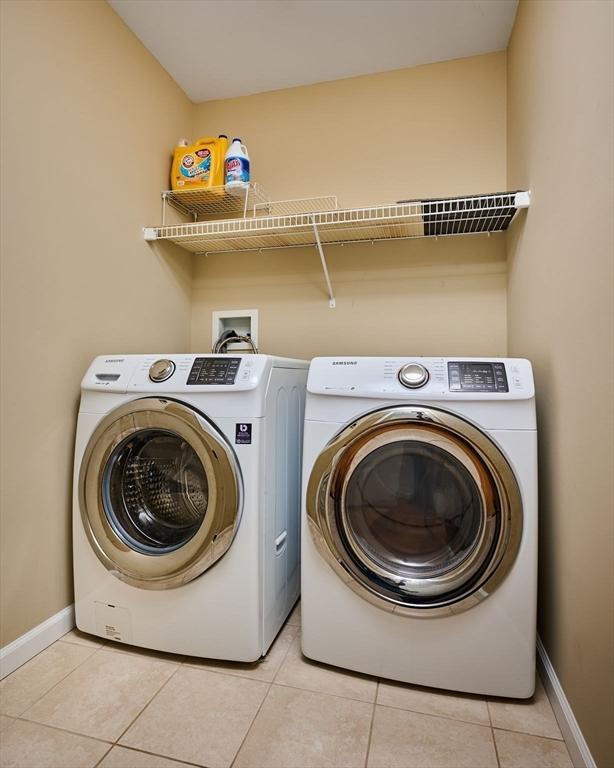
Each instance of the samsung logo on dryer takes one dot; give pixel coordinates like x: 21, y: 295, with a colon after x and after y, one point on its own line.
x: 345, y: 362
x: 114, y: 360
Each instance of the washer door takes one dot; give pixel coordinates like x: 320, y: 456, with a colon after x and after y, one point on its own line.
x: 160, y: 493
x: 416, y: 509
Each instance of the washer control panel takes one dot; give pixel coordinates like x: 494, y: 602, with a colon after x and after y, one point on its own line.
x: 468, y: 376
x: 214, y: 370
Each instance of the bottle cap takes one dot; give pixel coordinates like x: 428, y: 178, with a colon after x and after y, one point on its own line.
x: 222, y: 136
x: 239, y: 140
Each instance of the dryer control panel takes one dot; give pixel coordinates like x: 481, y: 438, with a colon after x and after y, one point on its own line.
x: 477, y: 377
x: 422, y: 378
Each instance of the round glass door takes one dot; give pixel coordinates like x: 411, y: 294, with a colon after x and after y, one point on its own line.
x: 155, y: 491
x: 416, y: 509
x: 160, y: 493
x: 413, y: 509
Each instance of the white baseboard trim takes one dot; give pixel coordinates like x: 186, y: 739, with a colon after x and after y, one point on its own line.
x: 36, y: 640
x: 578, y: 748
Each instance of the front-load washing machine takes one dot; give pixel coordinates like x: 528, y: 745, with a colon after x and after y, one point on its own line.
x: 419, y: 543
x: 187, y: 501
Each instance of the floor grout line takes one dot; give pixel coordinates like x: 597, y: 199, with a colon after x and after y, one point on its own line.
x: 371, y: 725
x: 61, y: 680
x: 327, y: 693
x: 153, y: 754
x: 64, y: 730
x: 251, y: 725
x: 439, y: 717
x: 526, y: 733
x: 492, y: 733
x: 134, y: 719
x: 264, y: 698
x: 494, y: 741
x: 104, y: 756
x: 77, y: 733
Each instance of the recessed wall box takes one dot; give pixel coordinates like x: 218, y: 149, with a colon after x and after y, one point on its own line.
x: 243, y: 321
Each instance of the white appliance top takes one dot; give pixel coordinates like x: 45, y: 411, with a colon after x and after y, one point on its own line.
x: 422, y: 378
x: 188, y: 373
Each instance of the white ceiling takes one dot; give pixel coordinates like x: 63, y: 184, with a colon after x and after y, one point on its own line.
x: 216, y: 49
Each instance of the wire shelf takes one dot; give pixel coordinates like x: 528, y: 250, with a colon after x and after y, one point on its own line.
x: 215, y: 201
x: 298, y: 205
x: 405, y: 219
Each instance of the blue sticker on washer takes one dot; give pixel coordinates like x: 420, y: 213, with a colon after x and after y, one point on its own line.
x: 243, y: 434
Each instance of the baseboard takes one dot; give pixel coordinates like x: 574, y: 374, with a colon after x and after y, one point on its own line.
x: 36, y: 640
x: 576, y: 744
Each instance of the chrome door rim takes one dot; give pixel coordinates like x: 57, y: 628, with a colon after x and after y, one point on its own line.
x: 499, y: 539
x: 215, y: 535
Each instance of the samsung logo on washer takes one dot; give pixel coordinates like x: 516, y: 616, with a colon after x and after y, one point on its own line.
x: 345, y: 362
x: 115, y: 360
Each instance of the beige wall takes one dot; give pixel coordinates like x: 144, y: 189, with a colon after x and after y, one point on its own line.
x: 89, y: 117
x: 560, y: 316
x: 435, y: 130
x: 88, y: 120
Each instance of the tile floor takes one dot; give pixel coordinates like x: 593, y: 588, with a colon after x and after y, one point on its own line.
x: 83, y: 703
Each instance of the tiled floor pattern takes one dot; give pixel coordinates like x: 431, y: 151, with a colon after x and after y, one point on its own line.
x: 83, y: 703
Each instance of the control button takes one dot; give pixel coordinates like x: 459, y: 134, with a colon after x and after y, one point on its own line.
x: 413, y: 375
x: 161, y: 370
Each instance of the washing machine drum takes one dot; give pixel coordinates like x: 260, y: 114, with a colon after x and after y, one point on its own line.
x: 160, y: 493
x: 416, y: 509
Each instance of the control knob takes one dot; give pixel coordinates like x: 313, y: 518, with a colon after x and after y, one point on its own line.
x: 161, y: 370
x: 413, y: 375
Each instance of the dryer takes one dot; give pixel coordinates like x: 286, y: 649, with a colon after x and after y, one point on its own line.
x: 187, y: 500
x: 419, y: 543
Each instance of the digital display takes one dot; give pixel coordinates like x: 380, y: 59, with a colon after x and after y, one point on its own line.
x: 477, y: 377
x: 214, y: 370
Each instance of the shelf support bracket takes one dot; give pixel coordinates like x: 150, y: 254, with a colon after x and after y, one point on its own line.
x: 150, y: 234
x: 331, y: 295
x: 523, y: 199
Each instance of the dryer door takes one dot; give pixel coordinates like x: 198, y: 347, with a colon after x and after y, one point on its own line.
x: 160, y: 493
x: 416, y: 509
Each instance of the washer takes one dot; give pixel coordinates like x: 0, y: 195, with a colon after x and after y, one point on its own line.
x: 419, y: 543
x: 187, y: 501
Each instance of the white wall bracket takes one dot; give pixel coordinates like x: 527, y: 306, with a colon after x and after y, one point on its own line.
x: 523, y: 199
x: 331, y: 296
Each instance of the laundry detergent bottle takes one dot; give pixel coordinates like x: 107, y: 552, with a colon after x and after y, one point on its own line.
x: 236, y: 166
x: 199, y: 166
